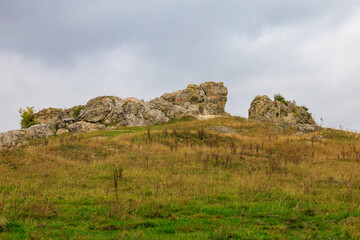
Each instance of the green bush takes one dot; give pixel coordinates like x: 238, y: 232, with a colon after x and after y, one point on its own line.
x: 280, y: 98
x: 305, y: 108
x: 27, y: 117
x: 77, y: 110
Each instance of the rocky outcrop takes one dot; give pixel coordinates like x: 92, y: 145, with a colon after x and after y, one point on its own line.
x: 85, y: 127
x: 38, y: 131
x: 105, y: 109
x: 62, y: 131
x: 262, y: 108
x: 52, y: 116
x: 11, y: 138
x: 205, y: 99
x: 17, y: 137
x: 202, y: 101
x: 208, y: 98
x: 306, y: 128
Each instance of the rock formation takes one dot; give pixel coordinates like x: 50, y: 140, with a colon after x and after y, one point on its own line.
x: 206, y: 99
x: 16, y: 137
x: 287, y: 113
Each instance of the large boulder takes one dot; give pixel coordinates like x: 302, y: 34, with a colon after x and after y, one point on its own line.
x: 11, y: 138
x: 83, y: 126
x: 38, y: 131
x: 262, y: 108
x: 17, y: 137
x: 155, y: 116
x: 306, y: 128
x: 140, y: 113
x: 62, y: 131
x: 54, y: 116
x: 134, y: 112
x: 105, y: 109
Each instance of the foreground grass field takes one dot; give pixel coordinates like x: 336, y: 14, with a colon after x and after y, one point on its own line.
x: 183, y: 181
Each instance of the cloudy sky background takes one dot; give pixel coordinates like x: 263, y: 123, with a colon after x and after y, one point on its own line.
x: 63, y: 53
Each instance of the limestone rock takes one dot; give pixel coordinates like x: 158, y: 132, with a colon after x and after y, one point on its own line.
x: 133, y: 113
x: 51, y: 116
x: 16, y: 137
x: 209, y: 98
x: 264, y: 109
x: 85, y: 127
x: 133, y: 100
x: 65, y: 122
x: 306, y: 128
x: 139, y: 113
x: 61, y: 131
x: 204, y: 100
x: 159, y: 103
x: 11, y: 138
x: 38, y: 131
x: 177, y: 112
x: 106, y: 109
x: 155, y: 116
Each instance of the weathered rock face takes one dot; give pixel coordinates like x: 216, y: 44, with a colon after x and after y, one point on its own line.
x: 62, y: 131
x: 306, y: 128
x: 105, y: 109
x: 51, y: 116
x: 38, y: 131
x: 11, y: 138
x: 263, y: 108
x: 208, y: 98
x: 16, y: 137
x: 85, y: 127
x: 204, y: 100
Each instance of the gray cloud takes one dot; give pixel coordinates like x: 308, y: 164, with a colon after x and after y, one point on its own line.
x: 63, y: 53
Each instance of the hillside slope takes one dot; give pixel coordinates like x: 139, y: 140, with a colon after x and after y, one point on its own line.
x: 188, y: 179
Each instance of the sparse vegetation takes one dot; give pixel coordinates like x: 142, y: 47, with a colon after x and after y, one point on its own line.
x: 305, y: 108
x: 27, y: 117
x: 280, y: 98
x: 77, y: 110
x: 181, y: 181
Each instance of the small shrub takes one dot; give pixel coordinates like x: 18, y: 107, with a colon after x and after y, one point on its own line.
x: 280, y: 98
x: 27, y: 117
x: 77, y: 110
x: 305, y: 108
x: 3, y: 224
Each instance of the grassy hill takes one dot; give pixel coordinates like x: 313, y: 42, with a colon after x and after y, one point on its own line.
x: 183, y: 180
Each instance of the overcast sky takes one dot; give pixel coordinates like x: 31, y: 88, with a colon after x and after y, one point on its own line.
x: 63, y: 53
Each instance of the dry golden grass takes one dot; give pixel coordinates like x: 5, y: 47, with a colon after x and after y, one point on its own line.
x: 180, y: 180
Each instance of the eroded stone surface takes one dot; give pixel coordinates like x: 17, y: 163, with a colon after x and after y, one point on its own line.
x: 83, y: 126
x: 105, y: 109
x: 38, y: 131
x: 62, y: 131
x: 11, y: 138
x: 16, y: 137
x: 206, y: 99
x: 263, y: 108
